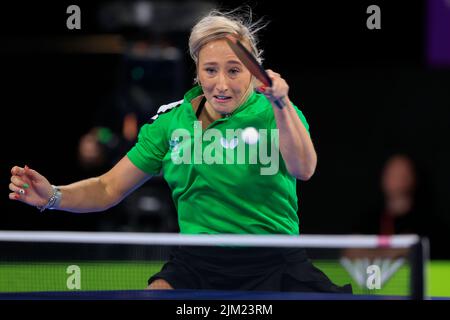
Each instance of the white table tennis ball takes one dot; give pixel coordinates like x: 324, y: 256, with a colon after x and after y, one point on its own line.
x: 250, y: 135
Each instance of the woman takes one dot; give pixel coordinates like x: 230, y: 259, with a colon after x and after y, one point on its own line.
x: 212, y: 192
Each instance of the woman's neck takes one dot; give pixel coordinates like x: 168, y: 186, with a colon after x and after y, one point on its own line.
x: 207, y: 115
x: 211, y: 113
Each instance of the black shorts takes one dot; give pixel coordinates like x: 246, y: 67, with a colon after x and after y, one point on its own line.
x: 246, y: 269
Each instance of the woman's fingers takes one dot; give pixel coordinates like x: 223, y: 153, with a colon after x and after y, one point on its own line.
x: 26, y: 174
x: 28, y: 186
x: 272, y: 73
x: 279, y: 90
x: 32, y: 174
x: 16, y: 189
x: 17, y: 171
x: 279, y: 87
x: 20, y: 182
x: 14, y: 196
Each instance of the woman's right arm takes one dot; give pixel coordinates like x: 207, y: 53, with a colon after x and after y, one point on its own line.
x: 93, y: 194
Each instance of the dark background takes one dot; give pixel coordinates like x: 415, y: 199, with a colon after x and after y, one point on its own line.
x: 366, y: 94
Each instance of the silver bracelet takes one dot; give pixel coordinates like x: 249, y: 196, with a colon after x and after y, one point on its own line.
x: 53, y: 201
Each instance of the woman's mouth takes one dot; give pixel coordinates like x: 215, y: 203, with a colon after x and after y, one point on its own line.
x: 222, y: 99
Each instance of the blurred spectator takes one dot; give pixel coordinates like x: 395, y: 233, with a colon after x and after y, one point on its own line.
x: 149, y: 75
x: 401, y: 201
x: 400, y: 197
x: 404, y: 205
x: 400, y: 208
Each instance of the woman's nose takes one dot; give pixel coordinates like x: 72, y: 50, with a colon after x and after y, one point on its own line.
x: 222, y: 82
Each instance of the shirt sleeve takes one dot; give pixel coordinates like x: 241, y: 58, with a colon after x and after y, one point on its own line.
x: 151, y: 146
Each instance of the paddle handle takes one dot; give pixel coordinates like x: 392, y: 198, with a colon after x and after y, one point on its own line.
x: 280, y: 103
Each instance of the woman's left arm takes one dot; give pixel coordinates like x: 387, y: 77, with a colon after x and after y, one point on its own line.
x: 296, y: 145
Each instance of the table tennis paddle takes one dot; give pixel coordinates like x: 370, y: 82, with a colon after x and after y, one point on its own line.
x: 251, y: 64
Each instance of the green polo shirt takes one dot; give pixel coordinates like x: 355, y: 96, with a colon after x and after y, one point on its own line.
x: 215, y: 187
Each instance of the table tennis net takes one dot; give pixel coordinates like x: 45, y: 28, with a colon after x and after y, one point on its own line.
x: 99, y: 261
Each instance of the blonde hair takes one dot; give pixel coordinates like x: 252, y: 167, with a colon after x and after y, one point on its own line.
x: 216, y: 25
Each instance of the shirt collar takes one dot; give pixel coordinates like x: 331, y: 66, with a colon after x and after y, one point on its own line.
x: 197, y: 91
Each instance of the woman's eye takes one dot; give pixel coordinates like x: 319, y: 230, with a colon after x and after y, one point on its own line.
x: 210, y: 70
x: 234, y: 71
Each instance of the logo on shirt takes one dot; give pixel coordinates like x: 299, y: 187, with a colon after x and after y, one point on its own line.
x: 229, y: 144
x: 174, y: 143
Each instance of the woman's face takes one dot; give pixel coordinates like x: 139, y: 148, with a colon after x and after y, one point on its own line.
x: 224, y: 79
x: 398, y: 176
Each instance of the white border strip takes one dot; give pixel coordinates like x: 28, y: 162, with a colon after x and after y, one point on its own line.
x: 305, y: 241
